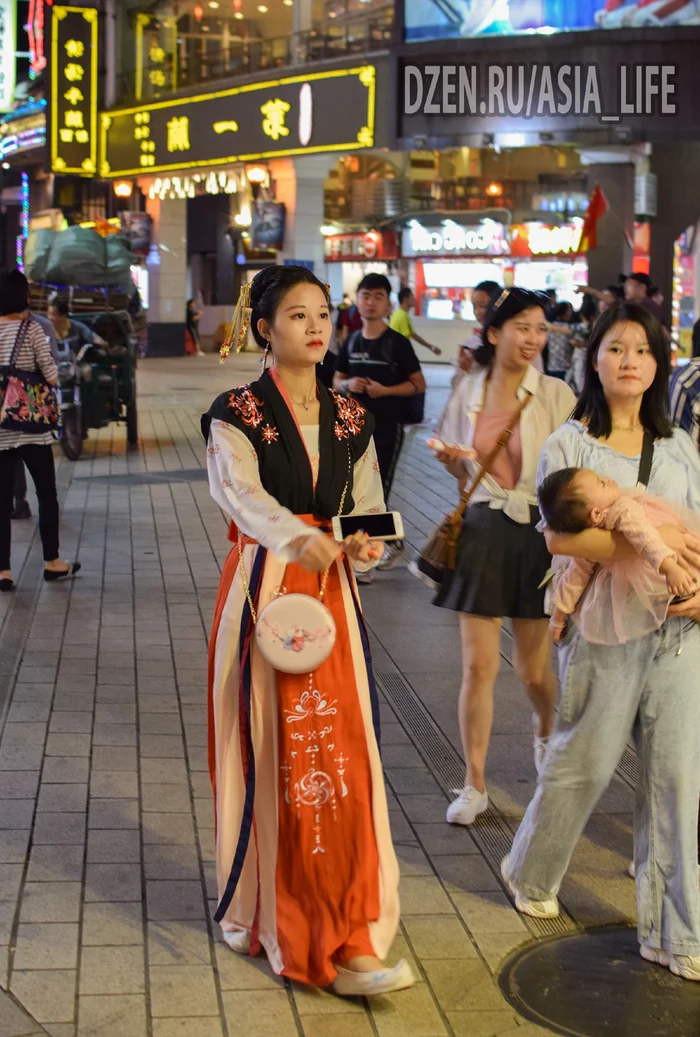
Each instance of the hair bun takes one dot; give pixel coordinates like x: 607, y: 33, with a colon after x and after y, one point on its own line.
x: 261, y: 282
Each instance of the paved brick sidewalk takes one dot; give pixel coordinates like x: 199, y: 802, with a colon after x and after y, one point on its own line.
x: 106, y: 826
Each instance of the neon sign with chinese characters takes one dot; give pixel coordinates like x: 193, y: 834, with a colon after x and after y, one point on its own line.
x: 242, y: 124
x: 74, y: 90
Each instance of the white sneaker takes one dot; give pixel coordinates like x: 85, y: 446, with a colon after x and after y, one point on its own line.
x: 365, y: 984
x: 238, y: 940
x: 394, y: 553
x: 533, y: 908
x: 682, y: 965
x: 367, y: 577
x: 466, y: 808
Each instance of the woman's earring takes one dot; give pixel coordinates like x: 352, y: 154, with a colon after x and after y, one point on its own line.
x: 265, y: 355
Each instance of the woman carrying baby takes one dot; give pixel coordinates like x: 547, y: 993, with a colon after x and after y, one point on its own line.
x: 646, y: 687
x: 632, y: 595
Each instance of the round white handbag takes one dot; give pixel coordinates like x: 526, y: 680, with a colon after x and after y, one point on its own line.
x: 295, y: 633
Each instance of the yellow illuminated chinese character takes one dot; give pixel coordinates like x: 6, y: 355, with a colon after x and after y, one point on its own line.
x: 74, y: 95
x: 74, y: 73
x: 157, y: 55
x: 82, y: 136
x: 179, y: 134
x: 275, y: 113
x: 75, y: 48
x: 157, y: 77
x: 75, y: 119
x: 66, y: 136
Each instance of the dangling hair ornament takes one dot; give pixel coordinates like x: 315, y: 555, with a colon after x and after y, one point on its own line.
x: 238, y: 328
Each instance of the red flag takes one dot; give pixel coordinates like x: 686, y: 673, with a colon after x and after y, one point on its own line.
x: 597, y: 205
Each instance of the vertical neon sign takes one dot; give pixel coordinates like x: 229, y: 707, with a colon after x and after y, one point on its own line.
x: 23, y: 221
x: 35, y: 32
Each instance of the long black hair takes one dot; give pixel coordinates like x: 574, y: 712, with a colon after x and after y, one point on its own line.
x: 508, y: 304
x: 268, y: 289
x: 592, y: 407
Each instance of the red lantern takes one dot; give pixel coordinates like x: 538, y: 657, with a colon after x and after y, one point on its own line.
x: 198, y: 13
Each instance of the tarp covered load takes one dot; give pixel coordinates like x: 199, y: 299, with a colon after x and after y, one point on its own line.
x: 78, y: 256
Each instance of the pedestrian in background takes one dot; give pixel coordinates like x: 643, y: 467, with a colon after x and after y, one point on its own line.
x: 379, y: 367
x: 400, y: 320
x: 33, y: 449
x: 502, y: 559
x: 192, y: 318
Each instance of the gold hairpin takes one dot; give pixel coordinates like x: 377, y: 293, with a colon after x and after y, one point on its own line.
x: 240, y: 323
x: 501, y: 298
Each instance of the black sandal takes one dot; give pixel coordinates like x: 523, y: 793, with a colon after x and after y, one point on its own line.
x: 7, y: 585
x: 61, y: 574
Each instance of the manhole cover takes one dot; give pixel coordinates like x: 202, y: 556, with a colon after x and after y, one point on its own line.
x: 595, y: 984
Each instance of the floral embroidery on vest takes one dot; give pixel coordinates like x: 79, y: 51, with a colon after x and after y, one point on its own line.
x: 243, y: 403
x: 270, y: 434
x: 351, y: 416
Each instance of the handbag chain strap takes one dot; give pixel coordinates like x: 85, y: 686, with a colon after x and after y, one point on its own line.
x: 501, y: 443
x: 324, y: 577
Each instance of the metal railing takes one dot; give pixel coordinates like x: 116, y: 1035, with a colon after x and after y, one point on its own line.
x: 203, y: 60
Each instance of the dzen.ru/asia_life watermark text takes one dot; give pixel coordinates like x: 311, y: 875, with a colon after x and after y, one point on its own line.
x: 531, y: 90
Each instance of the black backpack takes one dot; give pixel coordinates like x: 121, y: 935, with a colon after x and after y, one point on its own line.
x: 412, y: 409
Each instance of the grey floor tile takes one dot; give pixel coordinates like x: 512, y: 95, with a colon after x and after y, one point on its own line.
x: 114, y: 847
x: 48, y: 996
x: 112, y: 925
x: 55, y: 863
x: 62, y: 798
x: 113, y: 813
x: 265, y: 1012
x: 170, y: 900
x: 179, y: 943
x: 51, y: 902
x: 187, y: 1028
x: 113, y: 882
x: 122, y: 1015
x: 182, y: 991
x: 59, y: 828
x: 47, y: 946
x: 112, y: 970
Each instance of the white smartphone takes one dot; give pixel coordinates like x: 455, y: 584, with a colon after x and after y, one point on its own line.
x: 387, y: 525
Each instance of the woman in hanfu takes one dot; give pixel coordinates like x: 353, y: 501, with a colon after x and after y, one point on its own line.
x: 305, y: 863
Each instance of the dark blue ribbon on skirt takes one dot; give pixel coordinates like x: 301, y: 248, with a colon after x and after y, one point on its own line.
x: 247, y: 820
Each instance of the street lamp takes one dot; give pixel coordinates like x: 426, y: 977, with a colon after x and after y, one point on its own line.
x: 257, y: 177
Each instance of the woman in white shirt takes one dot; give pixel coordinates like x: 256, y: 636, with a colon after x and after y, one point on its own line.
x: 501, y: 557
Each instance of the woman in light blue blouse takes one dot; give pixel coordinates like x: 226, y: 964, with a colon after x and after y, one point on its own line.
x: 647, y: 688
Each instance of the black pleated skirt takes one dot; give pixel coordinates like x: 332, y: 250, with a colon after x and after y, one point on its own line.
x: 500, y: 565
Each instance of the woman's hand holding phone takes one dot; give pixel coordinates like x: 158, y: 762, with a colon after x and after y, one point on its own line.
x: 448, y: 452
x: 359, y: 548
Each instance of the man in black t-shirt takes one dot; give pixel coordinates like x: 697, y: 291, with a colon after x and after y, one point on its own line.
x: 380, y: 369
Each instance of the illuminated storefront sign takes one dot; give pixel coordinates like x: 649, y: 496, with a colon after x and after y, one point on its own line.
x: 325, y: 111
x: 8, y: 33
x: 74, y: 90
x: 369, y: 246
x: 541, y: 239
x: 485, y: 238
x: 221, y: 182
x: 21, y: 134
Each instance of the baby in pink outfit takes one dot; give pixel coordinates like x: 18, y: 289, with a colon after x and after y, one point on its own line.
x: 575, y: 499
